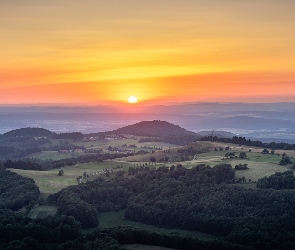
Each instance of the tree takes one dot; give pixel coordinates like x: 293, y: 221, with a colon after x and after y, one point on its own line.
x: 243, y: 155
x: 230, y: 154
x: 285, y: 160
x: 265, y: 151
x: 241, y: 166
x: 60, y: 172
x: 153, y: 160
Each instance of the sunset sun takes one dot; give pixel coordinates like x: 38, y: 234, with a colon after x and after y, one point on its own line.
x: 132, y: 99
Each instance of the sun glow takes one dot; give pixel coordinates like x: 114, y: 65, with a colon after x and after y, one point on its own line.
x: 132, y: 99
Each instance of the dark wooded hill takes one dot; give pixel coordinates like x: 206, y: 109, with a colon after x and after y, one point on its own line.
x: 28, y: 132
x: 154, y: 128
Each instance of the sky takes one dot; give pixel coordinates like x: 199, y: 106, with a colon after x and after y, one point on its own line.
x: 72, y: 51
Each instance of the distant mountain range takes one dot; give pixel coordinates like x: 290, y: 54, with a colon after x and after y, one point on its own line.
x: 154, y: 131
x: 154, y: 128
x: 264, y: 121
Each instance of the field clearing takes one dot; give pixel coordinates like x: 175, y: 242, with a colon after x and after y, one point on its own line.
x: 42, y: 211
x: 104, y: 144
x: 158, y: 154
x: 99, y: 144
x: 258, y: 170
x: 260, y: 165
x: 112, y: 219
x: 216, y: 157
x: 92, y: 144
x: 290, y: 153
x: 50, y: 155
x: 50, y: 182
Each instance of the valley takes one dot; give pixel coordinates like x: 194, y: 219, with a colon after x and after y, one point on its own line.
x: 115, y: 179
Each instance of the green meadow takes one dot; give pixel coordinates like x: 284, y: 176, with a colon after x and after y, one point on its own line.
x: 50, y: 182
x: 112, y: 219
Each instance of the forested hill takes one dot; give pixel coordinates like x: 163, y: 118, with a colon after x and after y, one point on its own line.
x: 154, y: 128
x: 31, y: 132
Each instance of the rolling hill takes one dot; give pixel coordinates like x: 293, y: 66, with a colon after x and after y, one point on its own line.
x: 154, y: 128
x: 28, y: 132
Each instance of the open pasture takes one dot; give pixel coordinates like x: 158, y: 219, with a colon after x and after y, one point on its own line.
x: 259, y: 164
x: 50, y: 155
x: 50, y: 182
x: 112, y: 219
x: 104, y: 144
x: 290, y: 153
x: 172, y: 152
x: 101, y: 144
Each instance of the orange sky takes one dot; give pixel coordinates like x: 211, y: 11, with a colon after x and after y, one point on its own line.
x: 71, y: 51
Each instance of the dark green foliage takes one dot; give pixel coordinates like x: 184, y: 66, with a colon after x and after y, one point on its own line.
x: 153, y: 159
x: 115, y: 194
x: 109, y: 239
x: 21, y: 164
x: 243, y: 155
x: 129, y: 235
x: 43, y: 166
x: 27, y: 243
x: 241, y: 166
x: 15, y: 152
x: 22, y: 142
x: 265, y: 151
x: 98, y: 240
x: 60, y: 173
x: 285, y: 160
x: 285, y: 180
x: 24, y: 132
x: 71, y: 205
x: 230, y: 154
x: 15, y: 226
x: 16, y: 191
x: 194, y: 199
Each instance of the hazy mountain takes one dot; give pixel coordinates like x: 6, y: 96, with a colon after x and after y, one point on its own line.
x: 154, y: 128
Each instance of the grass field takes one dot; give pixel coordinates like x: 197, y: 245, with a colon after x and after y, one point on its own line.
x: 204, y: 146
x: 104, y: 144
x: 260, y: 165
x: 98, y: 144
x: 50, y: 182
x: 113, y: 219
x: 42, y: 211
x: 50, y: 155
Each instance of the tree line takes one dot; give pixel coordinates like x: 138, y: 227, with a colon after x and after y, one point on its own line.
x: 248, y: 142
x: 29, y: 164
x: 16, y: 191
